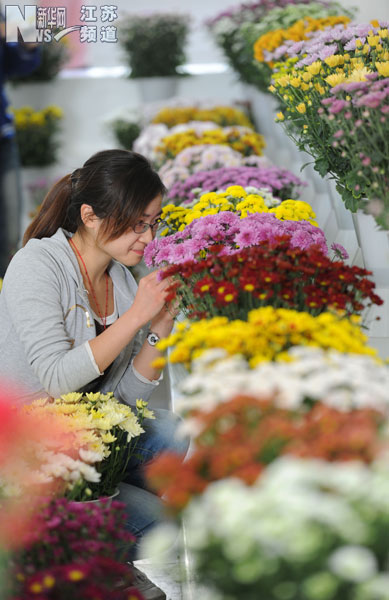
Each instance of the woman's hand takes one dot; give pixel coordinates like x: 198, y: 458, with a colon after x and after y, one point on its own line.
x: 150, y: 298
x: 167, y: 315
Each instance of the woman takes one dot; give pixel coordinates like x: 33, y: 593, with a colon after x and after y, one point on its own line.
x: 71, y: 315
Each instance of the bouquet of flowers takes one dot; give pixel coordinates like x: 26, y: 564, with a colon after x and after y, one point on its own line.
x: 308, y: 527
x: 329, y: 58
x: 266, y: 335
x: 152, y: 136
x: 241, y: 437
x: 269, y: 274
x: 36, y: 133
x: 355, y: 116
x: 241, y: 139
x: 228, y: 231
x: 228, y: 30
x: 281, y: 183
x: 235, y: 199
x: 223, y: 116
x: 295, y: 22
x: 103, y: 430
x: 205, y: 158
x: 69, y: 557
x: 67, y: 530
x: 307, y: 376
x: 142, y: 35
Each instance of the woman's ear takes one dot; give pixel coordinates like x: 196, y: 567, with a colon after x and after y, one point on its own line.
x: 88, y: 216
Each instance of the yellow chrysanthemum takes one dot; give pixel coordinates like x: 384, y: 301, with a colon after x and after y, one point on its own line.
x: 267, y: 334
x: 383, y: 68
x: 246, y: 143
x: 222, y: 115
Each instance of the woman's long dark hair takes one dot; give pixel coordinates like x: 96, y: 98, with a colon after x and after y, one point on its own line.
x: 117, y: 184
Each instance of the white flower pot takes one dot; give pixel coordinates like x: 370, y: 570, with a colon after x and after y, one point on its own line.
x: 374, y: 244
x: 107, y: 499
x: 157, y: 88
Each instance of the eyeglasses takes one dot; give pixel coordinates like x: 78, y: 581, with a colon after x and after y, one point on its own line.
x: 142, y: 227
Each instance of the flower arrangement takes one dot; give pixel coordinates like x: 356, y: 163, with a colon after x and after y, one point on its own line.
x: 229, y: 230
x: 279, y: 182
x: 104, y: 430
x: 241, y: 139
x: 229, y: 28
x: 316, y: 66
x: 307, y: 375
x: 266, y: 335
x: 275, y: 274
x: 294, y: 22
x: 355, y: 116
x: 68, y: 530
x: 141, y: 35
x: 68, y: 556
x: 235, y: 199
x: 241, y: 437
x: 224, y: 116
x: 267, y: 43
x: 36, y: 133
x: 205, y: 158
x: 306, y: 526
x: 152, y: 136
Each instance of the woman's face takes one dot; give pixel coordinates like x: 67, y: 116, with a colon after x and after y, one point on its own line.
x: 128, y: 249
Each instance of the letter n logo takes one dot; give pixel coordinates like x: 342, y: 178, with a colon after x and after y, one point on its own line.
x: 17, y: 22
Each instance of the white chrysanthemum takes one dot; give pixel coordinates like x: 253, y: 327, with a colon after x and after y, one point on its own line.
x: 290, y: 513
x: 343, y: 381
x: 90, y: 457
x: 353, y: 563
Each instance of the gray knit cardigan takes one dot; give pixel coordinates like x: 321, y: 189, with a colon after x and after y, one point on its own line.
x: 46, y: 320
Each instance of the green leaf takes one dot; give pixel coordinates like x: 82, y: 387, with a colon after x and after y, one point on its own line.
x: 306, y: 165
x: 321, y: 166
x: 350, y: 201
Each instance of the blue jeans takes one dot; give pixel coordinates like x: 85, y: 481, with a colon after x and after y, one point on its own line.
x: 145, y: 509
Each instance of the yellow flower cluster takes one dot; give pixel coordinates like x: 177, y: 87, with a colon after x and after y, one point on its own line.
x: 26, y: 116
x: 297, y: 32
x: 91, y: 419
x: 234, y: 199
x: 266, y: 335
x: 300, y: 89
x: 246, y: 143
x: 222, y: 115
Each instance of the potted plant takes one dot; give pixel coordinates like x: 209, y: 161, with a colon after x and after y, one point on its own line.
x: 36, y: 133
x: 154, y: 45
x: 104, y: 432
